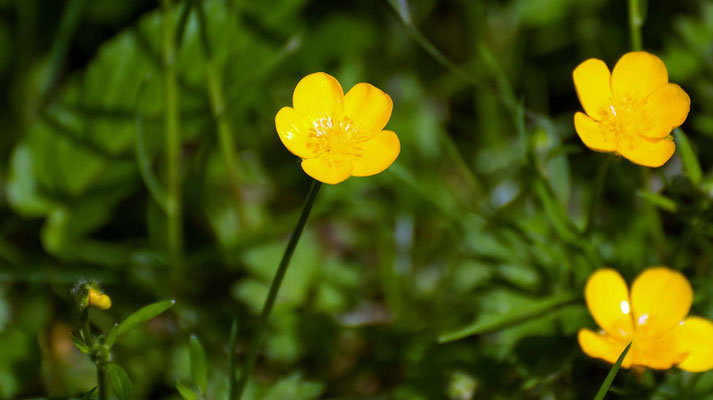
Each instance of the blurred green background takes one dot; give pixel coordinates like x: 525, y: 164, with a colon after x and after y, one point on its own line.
x: 481, y: 234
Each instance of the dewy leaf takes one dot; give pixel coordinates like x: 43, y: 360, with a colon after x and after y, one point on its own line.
x: 198, y: 364
x: 185, y: 392
x: 144, y: 314
x: 611, y: 375
x: 120, y: 383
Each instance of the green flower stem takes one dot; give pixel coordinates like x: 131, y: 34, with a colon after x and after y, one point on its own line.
x: 103, y: 380
x: 171, y: 125
x: 636, y: 21
x: 259, y: 334
x: 217, y: 102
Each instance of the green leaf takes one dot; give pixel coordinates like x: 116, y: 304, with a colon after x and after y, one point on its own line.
x: 120, y: 382
x: 688, y: 157
x: 198, y: 364
x: 144, y: 314
x: 80, y: 343
x: 185, y: 392
x: 658, y: 200
x: 537, y: 309
x: 111, y: 337
x: 611, y: 375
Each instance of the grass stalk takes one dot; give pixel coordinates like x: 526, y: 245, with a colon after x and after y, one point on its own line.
x: 259, y: 334
x: 172, y: 132
x: 636, y: 21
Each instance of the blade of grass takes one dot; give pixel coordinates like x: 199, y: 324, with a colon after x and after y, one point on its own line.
x: 539, y: 309
x: 173, y: 139
x: 690, y: 162
x: 611, y: 375
x: 150, y: 179
x: 231, y: 359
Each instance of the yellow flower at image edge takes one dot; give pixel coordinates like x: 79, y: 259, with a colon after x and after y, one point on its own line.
x: 652, y: 317
x: 630, y: 111
x: 338, y: 135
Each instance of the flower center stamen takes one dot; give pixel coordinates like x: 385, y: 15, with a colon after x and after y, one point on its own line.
x: 333, y: 140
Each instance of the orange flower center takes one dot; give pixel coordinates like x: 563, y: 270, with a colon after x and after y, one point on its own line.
x: 333, y: 140
x: 626, y: 120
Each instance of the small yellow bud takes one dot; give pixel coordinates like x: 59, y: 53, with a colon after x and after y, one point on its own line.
x: 98, y: 299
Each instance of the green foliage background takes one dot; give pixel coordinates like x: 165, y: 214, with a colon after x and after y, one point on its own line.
x: 482, y: 233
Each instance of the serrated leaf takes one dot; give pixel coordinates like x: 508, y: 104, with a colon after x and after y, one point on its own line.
x: 198, y: 364
x: 120, y: 382
x: 185, y: 392
x: 144, y: 314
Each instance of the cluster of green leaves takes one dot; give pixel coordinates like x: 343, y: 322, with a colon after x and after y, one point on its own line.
x: 457, y: 273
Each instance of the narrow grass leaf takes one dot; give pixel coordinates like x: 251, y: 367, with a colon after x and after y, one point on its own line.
x: 144, y: 314
x: 198, y: 364
x: 658, y: 200
x: 688, y: 157
x: 111, y: 337
x: 611, y: 375
x: 120, y: 383
x: 185, y: 392
x: 538, y: 309
x: 232, y: 340
x: 80, y: 343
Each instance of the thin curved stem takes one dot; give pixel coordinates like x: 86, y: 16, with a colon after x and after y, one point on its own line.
x: 636, y: 21
x: 259, y: 334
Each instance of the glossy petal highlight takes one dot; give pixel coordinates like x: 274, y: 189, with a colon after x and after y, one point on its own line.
x: 661, y: 298
x: 637, y: 74
x: 593, y: 134
x: 377, y: 154
x: 368, y: 110
x: 591, y: 80
x: 293, y: 130
x: 607, y: 299
x: 318, y: 96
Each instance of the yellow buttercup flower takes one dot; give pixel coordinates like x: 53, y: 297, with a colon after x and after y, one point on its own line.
x: 98, y: 299
x: 337, y: 135
x: 630, y: 111
x: 652, y: 317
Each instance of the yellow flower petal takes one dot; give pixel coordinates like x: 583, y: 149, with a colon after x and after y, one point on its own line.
x: 637, y: 74
x: 98, y: 300
x: 608, y: 301
x: 319, y: 96
x: 294, y: 131
x: 593, y: 134
x: 667, y: 108
x: 646, y: 152
x: 601, y: 345
x: 327, y: 171
x: 695, y: 338
x: 368, y: 109
x: 377, y: 154
x: 660, y: 299
x: 592, y: 82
